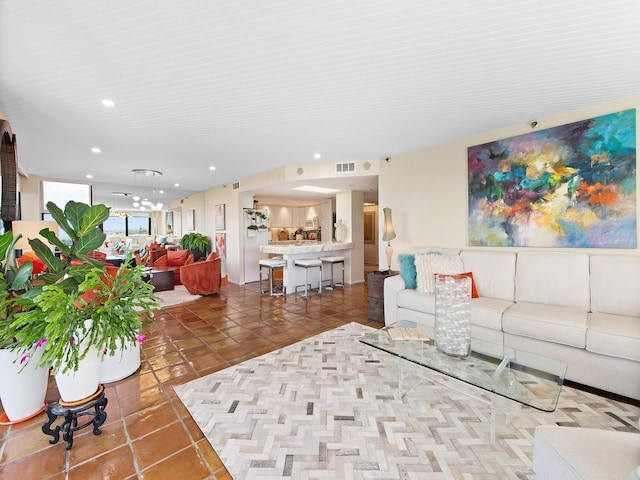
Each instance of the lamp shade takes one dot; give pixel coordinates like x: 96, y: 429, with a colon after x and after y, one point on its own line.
x: 389, y: 233
x: 30, y: 229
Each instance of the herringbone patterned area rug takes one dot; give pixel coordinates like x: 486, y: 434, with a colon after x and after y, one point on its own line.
x: 327, y: 408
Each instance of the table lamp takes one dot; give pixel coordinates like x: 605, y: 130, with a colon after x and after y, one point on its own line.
x: 388, y: 234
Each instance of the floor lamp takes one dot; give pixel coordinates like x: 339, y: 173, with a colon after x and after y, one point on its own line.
x: 388, y: 234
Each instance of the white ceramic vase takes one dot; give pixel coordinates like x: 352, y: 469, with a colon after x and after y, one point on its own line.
x: 84, y: 382
x: 22, y: 390
x: 124, y: 362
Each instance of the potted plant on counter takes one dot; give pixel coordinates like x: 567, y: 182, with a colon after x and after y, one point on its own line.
x: 23, y: 386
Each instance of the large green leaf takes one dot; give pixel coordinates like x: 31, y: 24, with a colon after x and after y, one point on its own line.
x: 22, y: 275
x: 74, y: 211
x: 6, y: 239
x: 92, y: 218
x: 44, y: 253
x: 59, y: 216
x: 90, y: 241
x: 54, y: 240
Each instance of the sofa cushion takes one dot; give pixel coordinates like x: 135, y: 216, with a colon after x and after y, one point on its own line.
x: 614, y: 284
x: 553, y: 278
x: 564, y: 325
x: 177, y: 258
x: 494, y: 273
x: 614, y: 335
x: 427, y: 265
x: 434, y: 250
x: 487, y: 312
x: 408, y: 270
x: 414, y: 300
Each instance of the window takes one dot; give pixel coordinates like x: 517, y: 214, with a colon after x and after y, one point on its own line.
x: 115, y: 226
x: 139, y: 224
x: 136, y: 224
x: 61, y: 192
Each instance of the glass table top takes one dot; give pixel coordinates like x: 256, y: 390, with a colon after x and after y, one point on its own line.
x: 524, y: 377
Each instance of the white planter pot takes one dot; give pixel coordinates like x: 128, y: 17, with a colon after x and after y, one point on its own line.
x: 84, y: 382
x: 22, y: 390
x: 123, y: 363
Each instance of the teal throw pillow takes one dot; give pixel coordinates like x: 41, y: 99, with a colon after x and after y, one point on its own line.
x: 408, y: 270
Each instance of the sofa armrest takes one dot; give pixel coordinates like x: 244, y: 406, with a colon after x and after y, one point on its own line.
x: 392, y: 285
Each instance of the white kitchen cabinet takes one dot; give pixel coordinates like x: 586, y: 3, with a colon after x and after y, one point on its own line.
x: 279, y: 216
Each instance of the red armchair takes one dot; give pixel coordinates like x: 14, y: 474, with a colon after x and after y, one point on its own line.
x: 174, y: 259
x: 202, y: 278
x: 38, y: 265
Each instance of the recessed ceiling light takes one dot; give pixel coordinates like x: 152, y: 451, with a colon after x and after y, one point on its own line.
x: 176, y: 184
x: 317, y: 156
x: 161, y: 191
x: 212, y: 168
x: 96, y: 150
x: 108, y: 103
x: 88, y: 175
x: 311, y: 188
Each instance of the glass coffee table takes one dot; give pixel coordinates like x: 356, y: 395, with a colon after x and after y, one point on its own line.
x: 523, y: 377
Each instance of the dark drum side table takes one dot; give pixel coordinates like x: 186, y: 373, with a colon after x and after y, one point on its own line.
x: 375, y: 294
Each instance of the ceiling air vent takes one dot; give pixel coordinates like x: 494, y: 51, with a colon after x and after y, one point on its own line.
x: 346, y: 167
x: 236, y: 185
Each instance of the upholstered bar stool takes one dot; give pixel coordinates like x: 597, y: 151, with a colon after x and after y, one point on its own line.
x: 308, y: 263
x: 331, y: 261
x: 273, y: 264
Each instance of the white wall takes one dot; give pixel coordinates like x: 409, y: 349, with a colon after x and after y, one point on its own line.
x: 427, y: 190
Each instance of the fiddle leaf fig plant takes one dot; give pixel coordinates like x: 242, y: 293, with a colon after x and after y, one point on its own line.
x: 80, y: 222
x: 14, y: 282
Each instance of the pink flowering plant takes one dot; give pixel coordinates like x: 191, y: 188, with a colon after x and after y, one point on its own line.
x: 79, y: 305
x: 106, y: 311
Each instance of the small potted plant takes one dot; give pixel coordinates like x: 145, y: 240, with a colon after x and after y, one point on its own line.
x: 23, y: 387
x: 198, y: 244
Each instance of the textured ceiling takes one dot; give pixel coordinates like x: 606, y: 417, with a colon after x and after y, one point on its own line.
x: 250, y: 86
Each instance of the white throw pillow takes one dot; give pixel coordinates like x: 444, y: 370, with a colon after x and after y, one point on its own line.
x: 428, y: 265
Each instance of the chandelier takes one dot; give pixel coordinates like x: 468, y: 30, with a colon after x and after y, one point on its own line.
x: 144, y: 203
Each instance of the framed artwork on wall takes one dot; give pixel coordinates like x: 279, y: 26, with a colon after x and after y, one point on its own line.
x: 568, y: 186
x: 191, y: 220
x: 168, y: 221
x: 219, y: 218
x: 221, y: 244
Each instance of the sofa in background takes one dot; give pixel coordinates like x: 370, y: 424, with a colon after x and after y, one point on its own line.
x: 202, y: 278
x: 175, y: 259
x: 582, y: 309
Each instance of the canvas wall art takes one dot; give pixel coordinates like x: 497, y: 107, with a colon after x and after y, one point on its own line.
x: 567, y: 186
x: 221, y: 244
x: 219, y: 217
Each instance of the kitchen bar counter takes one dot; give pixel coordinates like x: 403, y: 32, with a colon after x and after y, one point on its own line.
x: 295, y: 275
x: 292, y: 248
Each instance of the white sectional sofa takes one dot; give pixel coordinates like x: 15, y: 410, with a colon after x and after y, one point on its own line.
x: 582, y: 309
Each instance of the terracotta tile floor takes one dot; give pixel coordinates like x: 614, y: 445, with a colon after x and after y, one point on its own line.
x: 148, y: 433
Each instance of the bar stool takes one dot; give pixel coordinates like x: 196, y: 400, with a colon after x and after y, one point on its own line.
x: 331, y: 261
x: 308, y: 263
x: 272, y: 264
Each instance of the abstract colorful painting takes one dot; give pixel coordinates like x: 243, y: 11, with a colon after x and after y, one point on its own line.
x: 567, y: 186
